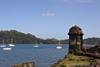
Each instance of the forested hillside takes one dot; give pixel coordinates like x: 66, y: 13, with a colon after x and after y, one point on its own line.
x: 22, y: 38
x: 93, y: 40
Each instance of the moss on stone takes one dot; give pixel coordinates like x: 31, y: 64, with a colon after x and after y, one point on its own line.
x: 72, y: 60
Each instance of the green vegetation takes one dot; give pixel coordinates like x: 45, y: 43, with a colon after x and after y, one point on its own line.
x: 22, y: 38
x: 73, y: 63
x: 73, y: 60
x: 92, y: 40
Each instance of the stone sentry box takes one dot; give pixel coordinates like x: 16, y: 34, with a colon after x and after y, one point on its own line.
x: 75, y: 39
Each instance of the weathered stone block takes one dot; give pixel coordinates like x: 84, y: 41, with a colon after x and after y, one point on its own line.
x: 30, y: 64
x: 75, y: 39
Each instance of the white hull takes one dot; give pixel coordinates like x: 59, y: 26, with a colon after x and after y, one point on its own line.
x: 59, y: 47
x: 6, y: 48
x: 35, y: 46
x: 2, y: 45
x: 11, y: 45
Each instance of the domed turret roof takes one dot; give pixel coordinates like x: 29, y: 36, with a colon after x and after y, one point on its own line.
x: 75, y: 30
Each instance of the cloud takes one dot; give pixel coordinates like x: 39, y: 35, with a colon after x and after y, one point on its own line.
x: 83, y: 1
x: 66, y: 0
x: 48, y: 14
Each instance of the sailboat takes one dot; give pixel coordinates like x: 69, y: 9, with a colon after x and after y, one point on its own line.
x: 7, y: 48
x: 3, y: 44
x: 36, y: 45
x: 59, y: 47
x: 11, y: 43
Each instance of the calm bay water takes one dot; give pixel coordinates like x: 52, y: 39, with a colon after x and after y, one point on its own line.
x: 43, y: 56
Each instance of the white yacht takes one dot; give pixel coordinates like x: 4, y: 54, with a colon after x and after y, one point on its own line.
x: 36, y: 45
x: 11, y: 43
x: 59, y: 47
x: 6, y: 48
x: 3, y: 44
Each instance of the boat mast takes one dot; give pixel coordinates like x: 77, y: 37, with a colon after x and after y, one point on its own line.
x: 36, y: 42
x: 11, y: 40
x: 59, y: 42
x: 3, y: 41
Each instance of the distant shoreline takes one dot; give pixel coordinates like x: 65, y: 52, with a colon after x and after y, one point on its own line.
x: 22, y: 38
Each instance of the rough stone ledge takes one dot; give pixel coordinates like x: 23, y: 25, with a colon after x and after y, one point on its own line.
x: 30, y: 64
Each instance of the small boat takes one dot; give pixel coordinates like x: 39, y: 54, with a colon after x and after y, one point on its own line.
x: 59, y: 47
x: 3, y: 44
x: 36, y: 45
x: 11, y: 43
x: 7, y: 48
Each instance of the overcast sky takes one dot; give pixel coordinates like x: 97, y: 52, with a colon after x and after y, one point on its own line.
x: 51, y: 18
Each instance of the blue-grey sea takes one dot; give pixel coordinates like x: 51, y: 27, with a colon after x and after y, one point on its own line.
x: 43, y: 56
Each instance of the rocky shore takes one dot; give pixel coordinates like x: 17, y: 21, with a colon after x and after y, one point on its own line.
x: 30, y: 64
x: 80, y: 59
x: 78, y: 55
